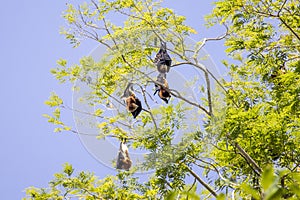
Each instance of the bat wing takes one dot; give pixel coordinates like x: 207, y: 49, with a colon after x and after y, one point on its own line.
x: 163, y: 58
x: 139, y: 108
x: 164, y: 95
x: 120, y: 160
x: 157, y: 88
x: 167, y: 59
x: 165, y: 100
x: 158, y: 56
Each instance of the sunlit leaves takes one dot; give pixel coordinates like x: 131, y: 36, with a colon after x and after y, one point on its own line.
x: 63, y: 72
x: 188, y: 193
x: 262, y: 98
x: 270, y: 182
x: 98, y: 112
x: 70, y: 14
x: 71, y: 36
x: 54, y: 100
x: 84, y: 185
x: 68, y: 169
x: 260, y: 111
x: 249, y: 191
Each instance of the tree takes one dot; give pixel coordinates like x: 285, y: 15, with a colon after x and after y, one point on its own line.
x: 248, y: 145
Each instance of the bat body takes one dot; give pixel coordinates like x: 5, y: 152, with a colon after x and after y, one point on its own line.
x: 164, y: 95
x: 163, y: 88
x: 133, y: 104
x: 123, y: 160
x: 162, y: 59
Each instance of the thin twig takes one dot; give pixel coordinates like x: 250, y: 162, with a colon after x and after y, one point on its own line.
x: 146, y: 102
x: 192, y: 184
x: 111, y: 136
x: 219, y: 173
x: 281, y: 7
x: 200, y: 180
x: 248, y: 158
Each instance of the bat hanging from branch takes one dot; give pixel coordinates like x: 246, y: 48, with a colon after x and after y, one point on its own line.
x: 163, y: 88
x: 133, y: 104
x: 123, y: 159
x: 162, y: 59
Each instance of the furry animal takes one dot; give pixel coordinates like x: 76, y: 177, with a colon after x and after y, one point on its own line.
x: 133, y: 104
x: 123, y: 159
x: 162, y: 59
x: 162, y: 89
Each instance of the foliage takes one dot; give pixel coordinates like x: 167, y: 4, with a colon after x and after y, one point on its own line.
x: 249, y: 144
x: 263, y: 96
x: 87, y: 186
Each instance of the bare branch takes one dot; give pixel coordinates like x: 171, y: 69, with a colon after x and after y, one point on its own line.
x: 146, y: 102
x: 200, y: 180
x: 290, y: 28
x: 281, y: 7
x: 192, y: 184
x: 208, y: 88
x: 248, y: 158
x: 280, y: 18
x: 95, y: 135
x: 221, y: 37
x: 219, y: 173
x: 179, y: 96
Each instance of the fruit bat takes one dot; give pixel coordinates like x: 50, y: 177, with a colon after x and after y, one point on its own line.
x: 133, y: 104
x: 162, y: 59
x: 123, y: 159
x: 163, y: 88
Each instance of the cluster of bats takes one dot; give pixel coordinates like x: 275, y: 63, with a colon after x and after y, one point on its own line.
x: 133, y: 104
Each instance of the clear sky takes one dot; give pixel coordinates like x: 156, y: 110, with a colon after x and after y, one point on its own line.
x: 30, y: 44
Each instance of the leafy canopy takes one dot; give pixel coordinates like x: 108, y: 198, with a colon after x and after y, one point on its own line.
x: 248, y: 146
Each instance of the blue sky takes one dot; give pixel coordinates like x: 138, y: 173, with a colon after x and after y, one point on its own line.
x: 30, y: 45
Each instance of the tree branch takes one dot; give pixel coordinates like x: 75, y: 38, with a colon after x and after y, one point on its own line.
x: 201, y: 181
x: 146, y: 102
x: 258, y: 170
x: 219, y: 173
x: 290, y: 28
x: 281, y: 7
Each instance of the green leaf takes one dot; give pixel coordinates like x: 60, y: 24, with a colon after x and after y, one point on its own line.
x: 248, y: 190
x: 54, y: 100
x: 267, y: 178
x: 221, y: 197
x: 172, y: 195
x: 57, y: 130
x: 68, y: 169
